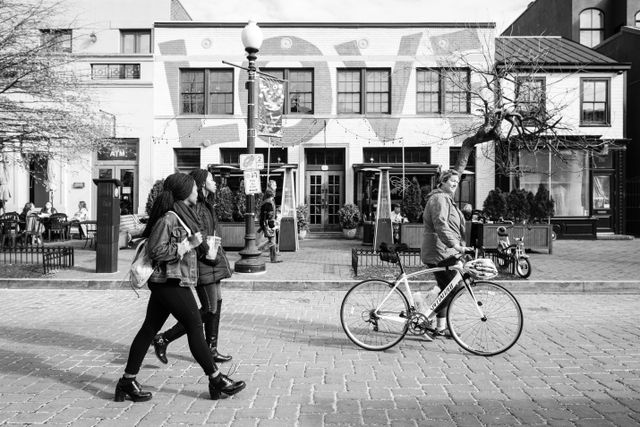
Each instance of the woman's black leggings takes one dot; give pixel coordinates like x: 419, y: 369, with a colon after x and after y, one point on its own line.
x: 206, y: 295
x: 171, y: 298
x: 442, y: 280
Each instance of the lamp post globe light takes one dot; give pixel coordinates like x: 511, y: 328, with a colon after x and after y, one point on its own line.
x: 250, y: 255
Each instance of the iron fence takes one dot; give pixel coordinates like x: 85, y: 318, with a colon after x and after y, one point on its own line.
x: 51, y: 257
x: 371, y: 258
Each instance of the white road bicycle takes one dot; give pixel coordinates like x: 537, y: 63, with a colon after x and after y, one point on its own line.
x: 484, y: 318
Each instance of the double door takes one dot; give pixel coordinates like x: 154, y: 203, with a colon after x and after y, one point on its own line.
x: 325, y: 192
x: 128, y: 191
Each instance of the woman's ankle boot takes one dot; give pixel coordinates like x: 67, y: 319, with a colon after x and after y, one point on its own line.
x: 131, y: 388
x: 160, y: 346
x: 222, y: 384
x: 213, y: 342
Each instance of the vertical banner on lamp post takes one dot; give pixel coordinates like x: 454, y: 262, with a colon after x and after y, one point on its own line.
x: 270, y: 102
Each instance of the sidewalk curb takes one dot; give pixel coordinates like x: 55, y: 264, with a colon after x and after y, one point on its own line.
x: 517, y: 286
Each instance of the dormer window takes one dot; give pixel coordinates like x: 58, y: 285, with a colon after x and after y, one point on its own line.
x: 591, y: 27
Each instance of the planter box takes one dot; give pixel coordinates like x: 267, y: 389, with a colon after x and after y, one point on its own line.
x: 411, y: 234
x: 537, y: 237
x: 232, y: 234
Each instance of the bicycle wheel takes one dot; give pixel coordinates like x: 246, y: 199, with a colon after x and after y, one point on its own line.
x: 369, y: 325
x: 523, y: 267
x: 494, y: 332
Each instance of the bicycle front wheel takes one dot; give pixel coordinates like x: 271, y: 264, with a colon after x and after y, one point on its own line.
x: 370, y: 323
x: 490, y: 326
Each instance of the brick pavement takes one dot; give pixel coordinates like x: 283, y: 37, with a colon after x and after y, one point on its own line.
x: 575, y: 265
x: 61, y: 352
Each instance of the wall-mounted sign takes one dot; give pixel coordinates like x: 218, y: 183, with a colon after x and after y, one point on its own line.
x: 120, y: 149
x: 78, y: 185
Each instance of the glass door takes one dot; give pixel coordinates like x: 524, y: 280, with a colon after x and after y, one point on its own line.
x: 601, y: 201
x: 128, y: 191
x: 325, y: 195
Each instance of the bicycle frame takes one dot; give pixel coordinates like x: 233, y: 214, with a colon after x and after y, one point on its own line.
x: 404, y: 279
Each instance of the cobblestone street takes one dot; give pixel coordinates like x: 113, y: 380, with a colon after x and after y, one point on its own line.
x: 62, y: 351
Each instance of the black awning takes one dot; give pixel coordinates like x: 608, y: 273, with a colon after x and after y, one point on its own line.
x: 409, y: 168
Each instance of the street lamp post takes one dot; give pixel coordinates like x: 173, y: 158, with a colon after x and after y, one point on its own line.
x: 250, y: 255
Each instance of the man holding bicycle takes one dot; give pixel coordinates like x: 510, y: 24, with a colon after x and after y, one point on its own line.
x: 444, y: 226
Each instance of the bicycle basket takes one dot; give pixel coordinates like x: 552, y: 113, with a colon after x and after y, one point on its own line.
x: 481, y: 268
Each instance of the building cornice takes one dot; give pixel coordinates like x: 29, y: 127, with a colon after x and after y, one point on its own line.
x: 350, y: 25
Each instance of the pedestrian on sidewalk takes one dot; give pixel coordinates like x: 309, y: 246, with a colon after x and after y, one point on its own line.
x: 444, y: 226
x: 210, y: 273
x: 268, y: 224
x: 174, y: 243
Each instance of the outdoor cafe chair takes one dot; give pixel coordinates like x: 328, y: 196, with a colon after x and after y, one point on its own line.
x: 9, y: 228
x: 58, y: 225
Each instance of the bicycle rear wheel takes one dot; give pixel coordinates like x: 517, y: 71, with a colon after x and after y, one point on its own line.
x: 367, y: 323
x: 493, y: 332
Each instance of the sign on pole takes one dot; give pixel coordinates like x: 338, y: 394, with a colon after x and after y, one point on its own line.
x: 251, y: 181
x: 251, y: 161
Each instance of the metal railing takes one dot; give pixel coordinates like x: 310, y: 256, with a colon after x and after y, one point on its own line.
x: 51, y: 257
x: 371, y: 258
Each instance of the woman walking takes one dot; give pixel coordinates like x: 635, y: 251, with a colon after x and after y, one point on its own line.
x: 444, y: 227
x: 210, y: 273
x: 174, y: 242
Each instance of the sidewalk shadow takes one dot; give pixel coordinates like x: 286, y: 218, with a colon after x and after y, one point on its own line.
x: 24, y: 363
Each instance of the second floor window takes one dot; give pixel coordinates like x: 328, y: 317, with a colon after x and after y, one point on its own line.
x: 298, y: 98
x: 186, y: 159
x: 206, y: 91
x: 530, y: 96
x: 363, y: 91
x: 591, y: 27
x: 56, y: 40
x: 442, y: 91
x: 594, y: 102
x: 136, y: 41
x: 115, y: 71
x: 637, y: 19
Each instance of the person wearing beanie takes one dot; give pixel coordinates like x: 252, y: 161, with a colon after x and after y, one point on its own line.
x: 174, y: 244
x: 210, y: 273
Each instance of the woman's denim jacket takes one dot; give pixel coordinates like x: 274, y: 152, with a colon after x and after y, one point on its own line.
x: 172, y: 255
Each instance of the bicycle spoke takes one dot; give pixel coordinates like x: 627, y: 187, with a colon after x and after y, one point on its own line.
x: 367, y: 323
x: 492, y: 334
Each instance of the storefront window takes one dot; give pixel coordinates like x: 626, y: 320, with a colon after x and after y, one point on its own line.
x: 566, y: 176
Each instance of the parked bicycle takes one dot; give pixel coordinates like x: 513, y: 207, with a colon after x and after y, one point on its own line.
x: 484, y: 318
x: 512, y: 254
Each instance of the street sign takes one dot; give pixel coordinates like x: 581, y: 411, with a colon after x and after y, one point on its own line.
x: 251, y: 161
x: 251, y: 181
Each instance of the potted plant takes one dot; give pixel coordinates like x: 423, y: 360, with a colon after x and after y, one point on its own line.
x: 349, y: 217
x: 230, y: 227
x: 302, y: 212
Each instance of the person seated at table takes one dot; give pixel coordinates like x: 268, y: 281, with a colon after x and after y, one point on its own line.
x: 48, y: 210
x: 396, y: 219
x: 80, y: 216
x: 29, y: 208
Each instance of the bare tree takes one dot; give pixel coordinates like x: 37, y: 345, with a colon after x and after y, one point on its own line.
x: 45, y: 108
x: 512, y: 110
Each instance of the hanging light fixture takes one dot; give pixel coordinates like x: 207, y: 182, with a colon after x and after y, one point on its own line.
x: 325, y: 166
